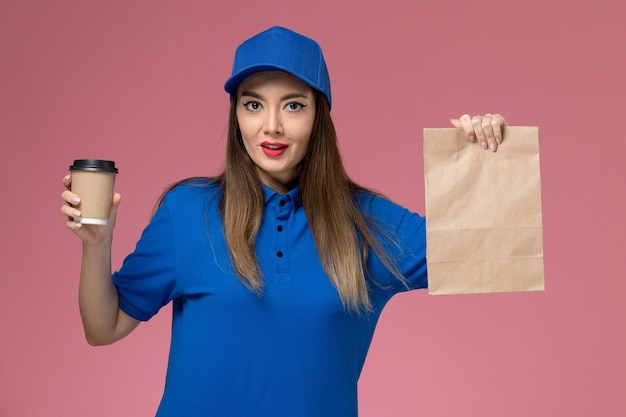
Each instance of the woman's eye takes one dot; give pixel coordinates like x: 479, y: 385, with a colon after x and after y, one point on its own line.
x: 294, y: 106
x: 252, y: 105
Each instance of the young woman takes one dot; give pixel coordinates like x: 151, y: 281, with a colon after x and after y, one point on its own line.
x: 279, y: 268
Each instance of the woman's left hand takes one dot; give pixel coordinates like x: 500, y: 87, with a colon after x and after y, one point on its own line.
x: 486, y: 130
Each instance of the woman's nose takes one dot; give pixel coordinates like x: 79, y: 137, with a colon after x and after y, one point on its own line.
x: 273, y: 123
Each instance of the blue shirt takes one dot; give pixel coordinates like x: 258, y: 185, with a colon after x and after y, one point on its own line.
x: 292, y: 352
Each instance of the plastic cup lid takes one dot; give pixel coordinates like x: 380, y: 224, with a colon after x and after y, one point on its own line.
x: 93, y: 165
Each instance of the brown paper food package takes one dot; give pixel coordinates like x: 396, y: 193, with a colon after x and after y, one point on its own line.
x: 483, y: 213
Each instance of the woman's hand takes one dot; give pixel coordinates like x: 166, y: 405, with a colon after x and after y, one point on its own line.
x: 91, y: 235
x: 486, y: 130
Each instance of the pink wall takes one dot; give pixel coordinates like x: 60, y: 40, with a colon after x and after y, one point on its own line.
x: 141, y: 82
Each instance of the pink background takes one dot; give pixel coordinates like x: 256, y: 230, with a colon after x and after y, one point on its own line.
x: 140, y: 82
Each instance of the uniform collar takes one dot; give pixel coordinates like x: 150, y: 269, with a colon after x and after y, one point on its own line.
x: 270, y: 195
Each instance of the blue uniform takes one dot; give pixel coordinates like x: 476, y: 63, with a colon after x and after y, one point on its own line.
x: 292, y: 352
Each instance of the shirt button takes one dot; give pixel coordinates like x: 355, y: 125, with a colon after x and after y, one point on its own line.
x: 279, y: 228
x: 281, y: 203
x: 279, y: 254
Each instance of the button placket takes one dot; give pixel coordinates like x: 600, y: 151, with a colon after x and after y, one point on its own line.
x: 283, y: 211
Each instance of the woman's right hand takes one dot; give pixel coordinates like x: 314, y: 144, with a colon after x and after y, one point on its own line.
x: 91, y: 235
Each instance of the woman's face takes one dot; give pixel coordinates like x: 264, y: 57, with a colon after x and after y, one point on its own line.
x: 276, y: 112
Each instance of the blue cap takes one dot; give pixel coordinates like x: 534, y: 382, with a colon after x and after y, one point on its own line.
x: 281, y: 49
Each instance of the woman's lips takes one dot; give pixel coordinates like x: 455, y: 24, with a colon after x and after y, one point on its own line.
x: 273, y: 149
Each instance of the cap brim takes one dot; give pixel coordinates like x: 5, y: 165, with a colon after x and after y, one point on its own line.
x: 233, y: 82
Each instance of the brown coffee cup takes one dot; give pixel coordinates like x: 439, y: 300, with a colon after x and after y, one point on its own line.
x: 93, y: 181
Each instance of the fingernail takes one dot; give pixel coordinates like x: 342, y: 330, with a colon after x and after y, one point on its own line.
x: 66, y: 178
x: 493, y: 147
x: 498, y: 140
x: 483, y: 145
x: 75, y: 200
x: 472, y: 138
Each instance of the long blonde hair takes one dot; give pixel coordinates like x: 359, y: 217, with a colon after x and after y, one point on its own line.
x: 342, y: 232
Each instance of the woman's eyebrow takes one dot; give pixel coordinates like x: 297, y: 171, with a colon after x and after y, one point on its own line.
x: 251, y: 94
x: 283, y: 98
x: 294, y: 95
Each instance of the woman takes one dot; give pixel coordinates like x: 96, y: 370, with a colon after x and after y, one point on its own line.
x: 279, y: 268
